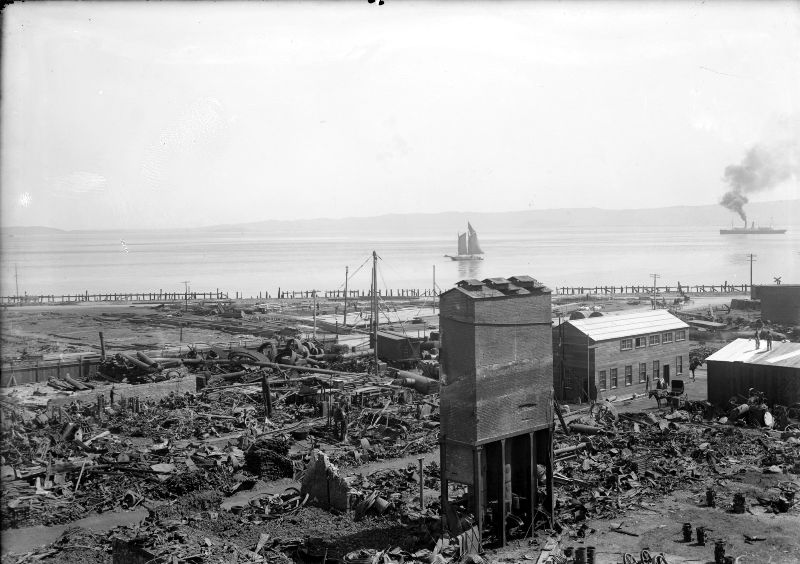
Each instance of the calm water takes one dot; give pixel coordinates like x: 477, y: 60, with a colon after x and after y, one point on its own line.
x: 68, y: 262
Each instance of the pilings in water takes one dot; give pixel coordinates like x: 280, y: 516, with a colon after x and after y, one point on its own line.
x: 391, y: 293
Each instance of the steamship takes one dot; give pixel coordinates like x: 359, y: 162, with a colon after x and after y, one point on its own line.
x: 752, y: 230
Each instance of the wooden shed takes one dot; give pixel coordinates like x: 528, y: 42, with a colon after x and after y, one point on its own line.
x: 739, y: 366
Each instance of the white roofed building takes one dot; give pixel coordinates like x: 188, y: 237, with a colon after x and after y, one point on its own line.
x: 618, y: 354
x: 739, y: 366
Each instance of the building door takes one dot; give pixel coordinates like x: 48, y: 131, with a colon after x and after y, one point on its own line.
x: 666, y: 373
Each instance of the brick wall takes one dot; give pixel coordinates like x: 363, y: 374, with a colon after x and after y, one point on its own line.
x: 457, y: 368
x: 496, y: 365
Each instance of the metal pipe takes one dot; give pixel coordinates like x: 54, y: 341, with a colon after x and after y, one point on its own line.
x: 146, y: 359
x: 136, y: 361
x: 421, y: 484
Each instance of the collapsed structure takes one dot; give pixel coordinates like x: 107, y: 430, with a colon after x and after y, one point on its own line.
x: 496, y: 399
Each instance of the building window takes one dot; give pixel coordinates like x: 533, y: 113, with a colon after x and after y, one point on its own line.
x: 656, y: 368
x: 626, y: 344
x: 655, y: 340
x: 641, y: 342
x: 613, y: 378
x: 680, y: 335
x: 628, y: 375
x: 642, y: 372
x: 679, y: 364
x: 666, y: 338
x: 601, y: 379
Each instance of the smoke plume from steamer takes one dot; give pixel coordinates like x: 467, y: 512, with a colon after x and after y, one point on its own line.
x: 763, y: 167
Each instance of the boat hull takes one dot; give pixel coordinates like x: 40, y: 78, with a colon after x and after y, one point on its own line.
x: 464, y: 257
x: 745, y: 231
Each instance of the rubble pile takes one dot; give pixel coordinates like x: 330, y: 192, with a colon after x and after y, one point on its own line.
x: 268, y: 458
x: 616, y: 466
x: 63, y: 461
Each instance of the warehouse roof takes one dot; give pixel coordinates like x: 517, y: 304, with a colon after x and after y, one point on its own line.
x: 744, y: 350
x: 628, y: 324
x: 706, y: 324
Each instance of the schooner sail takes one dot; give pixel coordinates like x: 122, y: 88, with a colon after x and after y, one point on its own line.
x: 473, y: 246
x: 468, y: 246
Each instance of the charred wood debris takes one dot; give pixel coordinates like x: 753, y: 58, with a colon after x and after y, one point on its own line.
x: 251, y: 467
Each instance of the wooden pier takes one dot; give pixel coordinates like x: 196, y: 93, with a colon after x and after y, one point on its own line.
x: 391, y: 293
x: 724, y: 288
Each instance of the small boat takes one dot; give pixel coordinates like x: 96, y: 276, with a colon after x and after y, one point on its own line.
x: 468, y: 246
x: 752, y: 230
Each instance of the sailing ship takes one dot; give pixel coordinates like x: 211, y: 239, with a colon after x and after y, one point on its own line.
x: 752, y: 230
x: 468, y: 246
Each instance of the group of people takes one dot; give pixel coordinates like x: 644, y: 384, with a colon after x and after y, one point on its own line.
x: 762, y: 333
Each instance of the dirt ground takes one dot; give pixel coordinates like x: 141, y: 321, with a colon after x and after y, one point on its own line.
x: 64, y: 329
x: 29, y: 332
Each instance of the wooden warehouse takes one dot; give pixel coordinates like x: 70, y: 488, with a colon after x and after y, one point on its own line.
x: 739, y: 366
x: 614, y: 354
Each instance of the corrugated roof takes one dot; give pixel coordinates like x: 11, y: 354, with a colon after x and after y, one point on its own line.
x: 628, y: 324
x: 744, y: 350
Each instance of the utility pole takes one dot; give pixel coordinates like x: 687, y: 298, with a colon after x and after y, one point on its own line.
x: 375, y: 307
x: 346, y: 276
x: 752, y: 258
x: 186, y: 294
x: 561, y: 352
x: 16, y: 279
x: 433, y: 299
x: 588, y: 374
x: 314, y: 295
x: 655, y: 277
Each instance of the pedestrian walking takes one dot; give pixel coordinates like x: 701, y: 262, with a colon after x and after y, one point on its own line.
x: 693, y: 366
x: 769, y: 340
x: 758, y: 341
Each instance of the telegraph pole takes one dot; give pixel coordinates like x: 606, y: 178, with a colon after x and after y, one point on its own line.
x: 314, y: 295
x: 16, y: 278
x: 433, y: 299
x: 375, y: 306
x: 752, y: 258
x: 346, y: 276
x: 655, y: 277
x: 186, y: 294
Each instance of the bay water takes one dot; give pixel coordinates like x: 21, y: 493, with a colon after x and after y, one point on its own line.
x: 253, y: 262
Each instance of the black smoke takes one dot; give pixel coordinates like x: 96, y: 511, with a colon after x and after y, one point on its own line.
x: 763, y: 167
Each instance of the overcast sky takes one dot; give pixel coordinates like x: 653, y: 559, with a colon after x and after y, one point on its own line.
x: 126, y: 114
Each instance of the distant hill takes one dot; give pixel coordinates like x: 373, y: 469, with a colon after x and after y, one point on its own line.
x: 785, y: 213
x: 780, y: 213
x: 33, y: 230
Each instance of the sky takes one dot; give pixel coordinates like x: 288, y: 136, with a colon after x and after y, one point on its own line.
x: 153, y: 115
